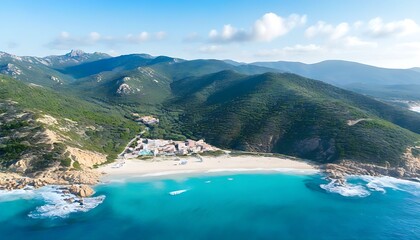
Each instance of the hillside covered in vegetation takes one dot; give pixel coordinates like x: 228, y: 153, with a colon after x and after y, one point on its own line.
x: 289, y: 114
x: 233, y: 106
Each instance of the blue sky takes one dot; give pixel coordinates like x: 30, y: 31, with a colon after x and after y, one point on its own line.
x: 381, y: 33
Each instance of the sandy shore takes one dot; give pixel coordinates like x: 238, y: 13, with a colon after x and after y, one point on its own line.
x: 163, y: 166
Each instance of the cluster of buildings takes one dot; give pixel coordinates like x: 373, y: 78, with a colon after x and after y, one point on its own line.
x: 160, y: 147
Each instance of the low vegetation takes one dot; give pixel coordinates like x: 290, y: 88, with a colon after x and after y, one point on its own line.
x: 288, y: 114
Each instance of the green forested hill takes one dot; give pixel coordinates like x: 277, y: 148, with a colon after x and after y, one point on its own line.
x: 289, y: 114
x: 93, y: 126
x: 235, y: 106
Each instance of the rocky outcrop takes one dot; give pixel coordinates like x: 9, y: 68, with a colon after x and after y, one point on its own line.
x: 409, y: 170
x: 10, y: 181
x: 86, y: 158
x: 81, y: 190
x: 14, y: 181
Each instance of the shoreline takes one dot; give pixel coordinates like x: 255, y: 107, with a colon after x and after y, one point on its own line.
x: 170, y: 167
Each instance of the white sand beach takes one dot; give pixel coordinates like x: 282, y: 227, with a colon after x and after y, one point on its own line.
x: 162, y: 166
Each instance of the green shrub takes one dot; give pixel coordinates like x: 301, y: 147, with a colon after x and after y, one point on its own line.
x: 76, y: 165
x: 66, y: 162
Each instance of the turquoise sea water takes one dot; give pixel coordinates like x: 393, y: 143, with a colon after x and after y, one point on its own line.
x: 235, y: 206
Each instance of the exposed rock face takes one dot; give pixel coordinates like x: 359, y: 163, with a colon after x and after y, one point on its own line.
x: 124, y: 89
x: 75, y: 53
x: 316, y: 148
x: 47, y: 120
x: 9, y: 181
x: 10, y: 69
x: 86, y: 158
x: 21, y: 166
x: 148, y: 120
x: 412, y: 163
x: 410, y: 169
x: 80, y: 177
x: 81, y: 190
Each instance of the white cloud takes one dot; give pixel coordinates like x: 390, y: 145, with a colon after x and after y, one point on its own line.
x: 356, y: 42
x: 327, y: 30
x: 405, y: 27
x: 269, y: 27
x: 94, y: 36
x: 338, y: 36
x: 358, y: 24
x: 138, y: 38
x: 348, y: 41
x: 66, y: 41
x: 409, y: 46
x: 303, y: 48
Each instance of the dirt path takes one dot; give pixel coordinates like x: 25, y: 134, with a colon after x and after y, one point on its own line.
x: 354, y: 122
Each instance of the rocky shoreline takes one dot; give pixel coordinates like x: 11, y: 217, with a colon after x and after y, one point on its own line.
x: 339, y: 171
x: 409, y: 171
x: 76, y: 182
x: 79, y: 182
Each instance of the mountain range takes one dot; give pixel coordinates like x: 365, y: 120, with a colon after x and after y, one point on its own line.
x: 78, y: 67
x: 375, y: 81
x: 273, y: 107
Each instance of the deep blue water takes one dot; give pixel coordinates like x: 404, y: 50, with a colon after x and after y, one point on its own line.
x: 244, y: 206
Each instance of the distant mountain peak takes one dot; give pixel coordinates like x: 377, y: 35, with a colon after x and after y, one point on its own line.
x: 75, y: 53
x: 74, y: 57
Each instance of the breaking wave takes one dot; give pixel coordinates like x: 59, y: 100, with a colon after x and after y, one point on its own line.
x: 348, y: 190
x: 57, y: 204
x: 365, y: 185
x: 382, y: 183
x: 177, y: 192
x: 12, y: 195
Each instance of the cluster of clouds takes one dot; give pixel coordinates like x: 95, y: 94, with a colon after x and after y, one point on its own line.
x: 401, y: 37
x: 317, y: 39
x: 269, y: 27
x: 345, y: 35
x: 375, y: 41
x: 65, y: 40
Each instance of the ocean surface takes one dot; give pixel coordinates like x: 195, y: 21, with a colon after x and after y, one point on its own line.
x: 226, y: 206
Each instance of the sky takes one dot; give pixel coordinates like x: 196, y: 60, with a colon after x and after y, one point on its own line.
x: 381, y: 33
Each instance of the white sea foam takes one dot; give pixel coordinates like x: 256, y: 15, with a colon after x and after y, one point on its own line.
x: 348, y: 190
x: 383, y: 183
x: 370, y: 184
x: 6, y: 195
x: 177, y: 192
x: 415, y: 108
x: 57, y: 206
x: 54, y: 199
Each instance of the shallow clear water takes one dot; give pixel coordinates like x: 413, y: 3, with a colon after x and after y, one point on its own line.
x: 244, y: 206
